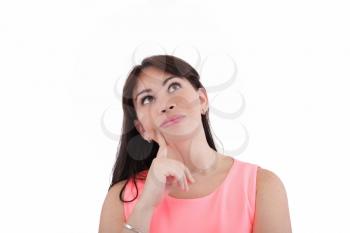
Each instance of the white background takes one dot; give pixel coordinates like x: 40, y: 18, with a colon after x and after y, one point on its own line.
x: 60, y: 62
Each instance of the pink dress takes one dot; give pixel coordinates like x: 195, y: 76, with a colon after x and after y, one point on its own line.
x: 230, y: 208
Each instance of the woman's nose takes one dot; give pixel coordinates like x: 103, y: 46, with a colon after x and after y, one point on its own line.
x: 167, y: 108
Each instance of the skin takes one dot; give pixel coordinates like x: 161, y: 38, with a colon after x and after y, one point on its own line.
x: 188, y: 138
x: 271, y: 204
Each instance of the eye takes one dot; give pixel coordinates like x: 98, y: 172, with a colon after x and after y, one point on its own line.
x: 144, y: 98
x: 171, y: 85
x: 175, y: 84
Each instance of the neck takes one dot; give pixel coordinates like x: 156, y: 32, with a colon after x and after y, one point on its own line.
x: 195, y: 153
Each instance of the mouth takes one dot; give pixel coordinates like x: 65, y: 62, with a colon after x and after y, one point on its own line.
x: 172, y: 120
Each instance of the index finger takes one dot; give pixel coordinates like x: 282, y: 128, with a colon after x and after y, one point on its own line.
x: 161, y: 141
x: 159, y: 138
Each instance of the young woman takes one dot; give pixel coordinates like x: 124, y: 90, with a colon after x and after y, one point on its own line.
x: 169, y: 177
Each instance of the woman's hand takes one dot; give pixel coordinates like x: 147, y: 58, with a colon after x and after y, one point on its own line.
x: 163, y: 173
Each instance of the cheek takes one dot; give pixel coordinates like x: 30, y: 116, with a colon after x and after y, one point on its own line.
x: 146, y: 118
x: 190, y: 102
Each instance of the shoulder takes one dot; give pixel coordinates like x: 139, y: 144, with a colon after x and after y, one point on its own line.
x: 116, y: 188
x: 270, y: 187
x: 112, y: 197
x: 267, y: 179
x: 271, y: 212
x: 112, y: 216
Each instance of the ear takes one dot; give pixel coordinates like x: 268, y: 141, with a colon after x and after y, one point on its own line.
x: 139, y: 128
x: 203, y: 98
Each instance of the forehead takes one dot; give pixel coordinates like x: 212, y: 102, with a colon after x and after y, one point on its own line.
x: 150, y: 76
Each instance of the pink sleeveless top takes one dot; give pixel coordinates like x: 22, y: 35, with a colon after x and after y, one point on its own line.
x: 230, y: 208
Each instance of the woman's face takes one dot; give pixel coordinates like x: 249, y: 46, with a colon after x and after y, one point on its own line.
x: 167, y: 95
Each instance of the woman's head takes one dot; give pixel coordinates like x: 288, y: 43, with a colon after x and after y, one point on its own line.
x: 160, y: 87
x: 158, y: 96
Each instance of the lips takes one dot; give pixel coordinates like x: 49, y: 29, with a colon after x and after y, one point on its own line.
x: 171, y: 119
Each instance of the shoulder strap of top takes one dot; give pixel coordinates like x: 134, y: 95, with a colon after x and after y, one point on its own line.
x: 244, y: 177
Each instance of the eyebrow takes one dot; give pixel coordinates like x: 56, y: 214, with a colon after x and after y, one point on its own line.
x: 163, y: 84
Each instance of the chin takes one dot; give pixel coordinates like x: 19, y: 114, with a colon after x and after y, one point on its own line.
x: 186, y: 131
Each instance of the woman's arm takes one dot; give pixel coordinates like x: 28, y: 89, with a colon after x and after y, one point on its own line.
x: 112, y: 216
x: 271, y: 207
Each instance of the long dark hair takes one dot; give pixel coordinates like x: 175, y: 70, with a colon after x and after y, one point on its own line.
x: 134, y: 153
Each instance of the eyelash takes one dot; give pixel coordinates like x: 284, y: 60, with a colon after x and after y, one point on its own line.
x: 145, y: 97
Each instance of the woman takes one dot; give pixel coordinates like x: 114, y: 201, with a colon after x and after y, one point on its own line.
x: 169, y: 177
